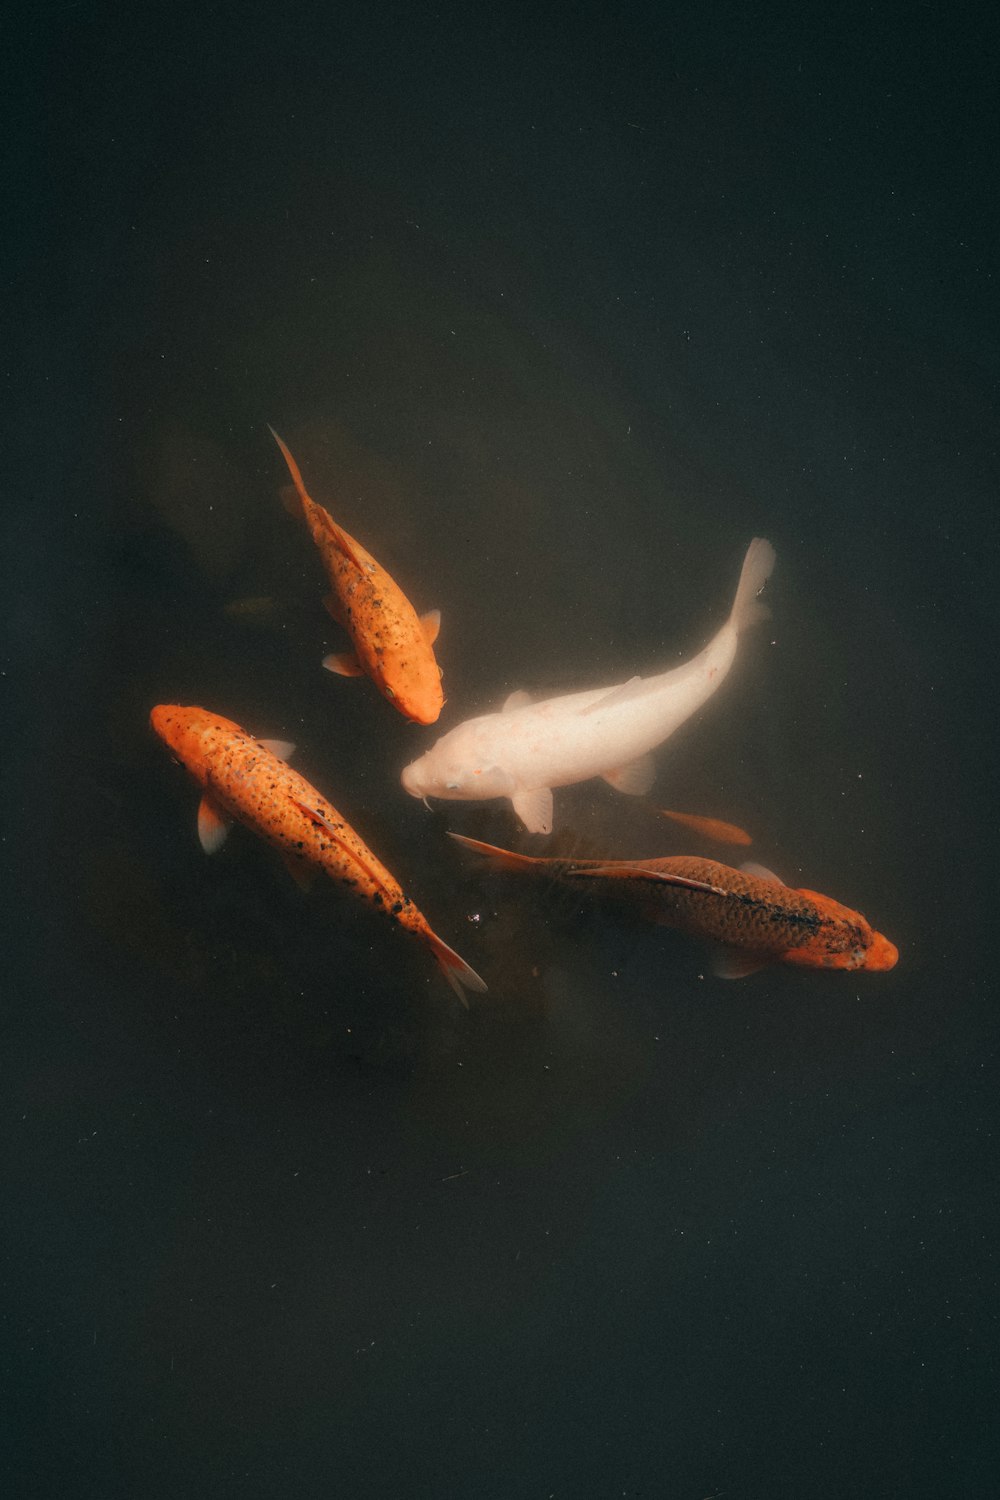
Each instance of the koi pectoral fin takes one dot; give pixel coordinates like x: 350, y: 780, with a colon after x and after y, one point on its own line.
x: 430, y: 624
x: 534, y: 809
x: 344, y: 663
x: 635, y: 779
x: 751, y: 867
x: 283, y: 749
x: 301, y: 871
x: 213, y: 825
x: 736, y: 963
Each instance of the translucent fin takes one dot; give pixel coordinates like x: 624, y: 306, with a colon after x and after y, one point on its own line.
x: 733, y: 963
x: 301, y: 871
x: 631, y: 870
x: 340, y: 537
x: 505, y: 858
x: 430, y: 624
x: 762, y: 872
x: 344, y: 663
x: 709, y: 828
x: 520, y: 699
x: 460, y: 975
x: 534, y: 809
x: 757, y: 568
x: 620, y: 694
x: 635, y: 779
x: 283, y: 749
x: 213, y: 826
x: 332, y: 606
x: 291, y: 501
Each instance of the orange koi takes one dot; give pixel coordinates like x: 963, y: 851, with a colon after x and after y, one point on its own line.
x: 709, y: 828
x: 750, y: 914
x: 247, y: 780
x: 392, y: 645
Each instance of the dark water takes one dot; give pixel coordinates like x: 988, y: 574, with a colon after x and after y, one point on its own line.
x: 556, y: 316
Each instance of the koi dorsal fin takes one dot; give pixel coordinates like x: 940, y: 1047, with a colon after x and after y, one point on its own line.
x: 318, y: 818
x: 630, y: 870
x: 616, y: 695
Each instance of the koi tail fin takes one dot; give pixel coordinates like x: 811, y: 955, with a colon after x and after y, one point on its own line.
x: 458, y: 973
x: 504, y: 859
x: 757, y: 567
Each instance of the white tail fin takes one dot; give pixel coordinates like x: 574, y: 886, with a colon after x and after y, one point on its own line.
x: 757, y: 567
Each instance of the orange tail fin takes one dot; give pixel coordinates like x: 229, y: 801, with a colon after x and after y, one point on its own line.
x: 460, y: 975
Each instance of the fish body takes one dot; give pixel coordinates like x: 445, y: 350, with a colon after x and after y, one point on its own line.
x: 392, y: 644
x: 749, y: 914
x: 528, y: 748
x: 244, y: 779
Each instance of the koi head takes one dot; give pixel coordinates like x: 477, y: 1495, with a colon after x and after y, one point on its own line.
x: 456, y: 770
x: 184, y: 731
x: 846, y: 941
x: 881, y: 954
x: 418, y: 695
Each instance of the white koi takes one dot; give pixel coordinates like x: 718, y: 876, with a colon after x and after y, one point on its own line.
x: 528, y: 748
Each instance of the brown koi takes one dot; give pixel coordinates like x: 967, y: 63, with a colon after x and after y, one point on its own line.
x: 753, y: 917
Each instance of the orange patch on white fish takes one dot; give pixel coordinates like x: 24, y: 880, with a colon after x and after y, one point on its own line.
x: 709, y: 828
x: 392, y: 644
x: 248, y: 780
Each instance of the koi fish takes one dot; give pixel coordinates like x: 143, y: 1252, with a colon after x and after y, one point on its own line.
x: 392, y: 645
x: 248, y: 780
x: 709, y: 828
x: 529, y: 748
x: 749, y: 915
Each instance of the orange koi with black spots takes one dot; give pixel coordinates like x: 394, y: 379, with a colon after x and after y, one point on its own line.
x: 247, y: 780
x: 392, y: 645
